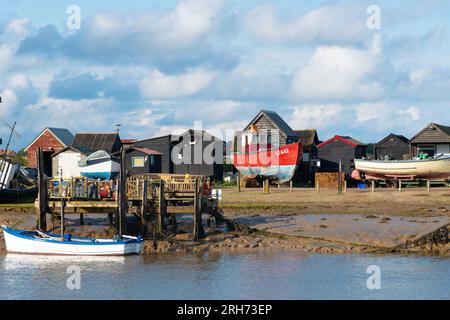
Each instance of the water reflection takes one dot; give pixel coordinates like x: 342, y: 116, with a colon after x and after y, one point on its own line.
x: 263, y: 275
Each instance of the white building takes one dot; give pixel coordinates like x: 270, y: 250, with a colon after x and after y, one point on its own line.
x: 66, y: 161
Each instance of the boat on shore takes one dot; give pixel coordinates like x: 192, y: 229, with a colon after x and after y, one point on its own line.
x: 279, y: 164
x: 99, y: 165
x: 27, y: 195
x: 36, y: 242
x: 433, y: 168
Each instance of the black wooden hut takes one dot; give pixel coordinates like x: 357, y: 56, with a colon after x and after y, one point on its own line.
x: 343, y: 148
x: 142, y: 160
x: 392, y: 147
x: 194, y: 152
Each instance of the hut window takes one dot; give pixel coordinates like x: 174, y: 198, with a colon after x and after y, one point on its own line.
x: 138, y: 162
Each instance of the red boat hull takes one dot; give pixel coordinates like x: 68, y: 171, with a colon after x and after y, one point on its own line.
x: 279, y: 164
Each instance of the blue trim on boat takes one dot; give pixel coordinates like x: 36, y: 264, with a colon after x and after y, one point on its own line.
x: 29, y: 235
x: 100, y: 175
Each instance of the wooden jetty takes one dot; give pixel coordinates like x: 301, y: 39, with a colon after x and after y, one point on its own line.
x: 147, y: 196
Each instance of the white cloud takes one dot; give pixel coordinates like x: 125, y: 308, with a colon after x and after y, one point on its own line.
x: 327, y: 23
x: 316, y: 116
x: 413, y: 112
x: 160, y: 86
x: 19, y: 27
x: 6, y: 57
x: 335, y: 72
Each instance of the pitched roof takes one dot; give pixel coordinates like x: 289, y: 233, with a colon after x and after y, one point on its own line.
x: 62, y: 135
x: 442, y: 128
x: 96, y: 141
x: 346, y: 139
x: 307, y: 137
x: 399, y: 136
x: 81, y: 149
x: 276, y: 120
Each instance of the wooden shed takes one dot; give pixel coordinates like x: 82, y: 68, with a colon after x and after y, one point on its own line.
x: 50, y: 140
x: 306, y: 169
x: 343, y: 148
x: 178, y: 153
x: 434, y: 139
x: 392, y: 147
x: 270, y: 127
x: 142, y: 160
x: 66, y: 161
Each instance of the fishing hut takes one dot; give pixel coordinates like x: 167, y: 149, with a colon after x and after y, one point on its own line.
x: 146, y: 196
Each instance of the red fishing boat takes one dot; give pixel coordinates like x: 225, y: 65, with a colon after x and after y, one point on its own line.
x: 279, y: 164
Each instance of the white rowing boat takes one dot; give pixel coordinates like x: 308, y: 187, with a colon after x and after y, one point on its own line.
x: 433, y: 168
x: 36, y: 242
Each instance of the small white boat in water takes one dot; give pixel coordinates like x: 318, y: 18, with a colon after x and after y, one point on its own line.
x: 99, y: 165
x: 433, y: 168
x: 36, y: 242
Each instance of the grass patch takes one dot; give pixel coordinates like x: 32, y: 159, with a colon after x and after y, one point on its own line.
x: 16, y: 205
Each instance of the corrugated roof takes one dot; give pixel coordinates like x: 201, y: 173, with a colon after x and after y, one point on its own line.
x: 276, y: 120
x: 96, y: 141
x: 307, y: 137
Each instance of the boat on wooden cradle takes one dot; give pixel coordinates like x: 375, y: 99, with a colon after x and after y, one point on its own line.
x: 16, y: 184
x: 36, y: 242
x: 99, y: 165
x: 432, y: 168
x: 278, y: 164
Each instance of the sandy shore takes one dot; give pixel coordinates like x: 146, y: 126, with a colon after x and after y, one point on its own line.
x: 410, y: 202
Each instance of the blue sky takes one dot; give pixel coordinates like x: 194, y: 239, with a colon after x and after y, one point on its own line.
x: 158, y: 66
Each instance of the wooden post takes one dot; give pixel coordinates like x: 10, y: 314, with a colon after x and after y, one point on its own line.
x: 317, y: 186
x: 161, y: 207
x: 238, y: 182
x: 144, y: 209
x: 266, y: 186
x: 195, y: 230
x: 278, y: 186
x: 41, y: 219
x: 373, y: 185
x: 428, y: 185
x: 400, y: 185
x: 291, y: 186
x: 345, y: 186
x: 340, y: 177
x: 123, y: 202
x: 62, y: 218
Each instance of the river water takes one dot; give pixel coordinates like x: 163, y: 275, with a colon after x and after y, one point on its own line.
x: 261, y: 275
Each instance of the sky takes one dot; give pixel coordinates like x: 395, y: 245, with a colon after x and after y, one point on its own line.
x: 357, y: 68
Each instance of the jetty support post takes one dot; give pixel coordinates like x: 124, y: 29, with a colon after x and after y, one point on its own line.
x: 144, y: 208
x: 373, y: 186
x: 345, y: 186
x: 161, y: 208
x: 317, y: 186
x: 238, y: 182
x: 428, y: 186
x: 195, y: 231
x: 291, y: 186
x: 123, y: 202
x: 400, y: 185
x: 266, y: 186
x: 41, y: 210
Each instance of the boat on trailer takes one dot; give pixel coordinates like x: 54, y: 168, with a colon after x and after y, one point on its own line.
x: 432, y: 168
x: 37, y: 242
